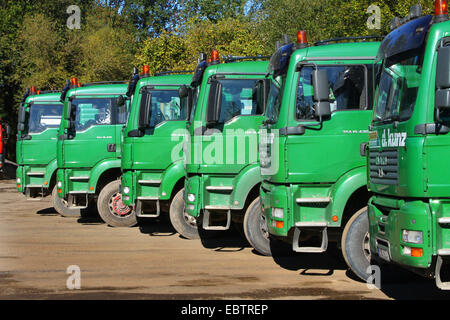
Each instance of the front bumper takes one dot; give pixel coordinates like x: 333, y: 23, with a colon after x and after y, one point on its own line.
x: 301, y: 206
x: 213, y: 192
x: 73, y: 181
x: 143, y: 186
x: 32, y: 178
x: 388, y: 217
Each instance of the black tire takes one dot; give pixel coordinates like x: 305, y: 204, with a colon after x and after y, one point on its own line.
x: 355, y: 244
x: 185, y: 225
x: 255, y: 228
x: 111, y: 209
x: 60, y: 206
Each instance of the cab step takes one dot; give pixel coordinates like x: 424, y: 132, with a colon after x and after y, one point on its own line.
x: 321, y: 227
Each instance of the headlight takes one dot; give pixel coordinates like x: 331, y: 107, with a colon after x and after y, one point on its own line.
x: 278, y: 213
x: 18, y: 180
x: 59, y: 184
x: 191, y: 197
x: 126, y: 190
x: 412, y: 236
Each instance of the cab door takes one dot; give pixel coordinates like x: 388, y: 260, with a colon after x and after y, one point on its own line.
x: 328, y: 150
x: 94, y: 132
x: 231, y: 142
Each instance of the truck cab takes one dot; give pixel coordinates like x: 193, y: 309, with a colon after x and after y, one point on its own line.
x: 409, y: 213
x: 221, y: 149
x: 38, y: 122
x: 152, y: 159
x: 313, y: 170
x: 89, y: 143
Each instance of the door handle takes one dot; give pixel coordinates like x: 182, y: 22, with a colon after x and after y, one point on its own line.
x: 112, y: 147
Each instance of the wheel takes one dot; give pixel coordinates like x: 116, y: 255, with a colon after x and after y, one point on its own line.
x: 355, y: 244
x: 255, y: 228
x: 183, y: 223
x: 60, y: 206
x: 111, y: 208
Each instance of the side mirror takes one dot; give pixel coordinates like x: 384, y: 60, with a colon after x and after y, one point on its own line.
x: 22, y: 114
x: 183, y: 91
x: 121, y: 100
x: 262, y: 88
x: 321, y: 93
x: 442, y: 97
x: 186, y: 99
x: 214, y: 103
x: 145, y: 110
x: 67, y: 108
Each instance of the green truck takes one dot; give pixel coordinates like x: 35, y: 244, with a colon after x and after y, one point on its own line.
x: 409, y: 213
x: 38, y: 122
x: 221, y: 147
x: 152, y: 164
x: 314, y: 188
x: 89, y: 143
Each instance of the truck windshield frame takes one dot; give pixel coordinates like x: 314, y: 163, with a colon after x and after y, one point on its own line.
x: 397, y: 87
x: 34, y: 123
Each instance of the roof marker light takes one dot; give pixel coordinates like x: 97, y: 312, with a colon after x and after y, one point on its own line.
x: 302, y: 39
x: 440, y: 7
x: 74, y: 81
x: 215, y: 58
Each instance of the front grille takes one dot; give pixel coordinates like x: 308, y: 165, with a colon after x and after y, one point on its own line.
x: 384, y: 167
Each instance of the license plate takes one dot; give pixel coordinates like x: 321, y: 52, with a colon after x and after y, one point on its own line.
x: 383, y: 253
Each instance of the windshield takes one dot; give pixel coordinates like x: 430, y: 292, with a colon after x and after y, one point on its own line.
x: 348, y: 90
x: 43, y: 117
x: 91, y: 112
x: 274, y: 102
x: 397, y: 89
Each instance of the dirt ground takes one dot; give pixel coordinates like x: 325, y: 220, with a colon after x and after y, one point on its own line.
x: 151, y: 261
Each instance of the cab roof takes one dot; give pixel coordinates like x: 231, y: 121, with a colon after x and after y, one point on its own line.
x: 54, y: 96
x: 112, y: 89
x: 173, y: 79
x: 340, y: 50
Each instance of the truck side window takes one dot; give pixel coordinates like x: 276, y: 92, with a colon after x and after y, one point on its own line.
x: 93, y: 112
x: 239, y: 98
x: 166, y: 106
x: 348, y: 90
x: 44, y: 116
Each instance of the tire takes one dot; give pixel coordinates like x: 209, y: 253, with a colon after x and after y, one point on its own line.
x: 255, y: 228
x: 355, y: 244
x: 184, y: 224
x: 111, y: 208
x: 60, y: 206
